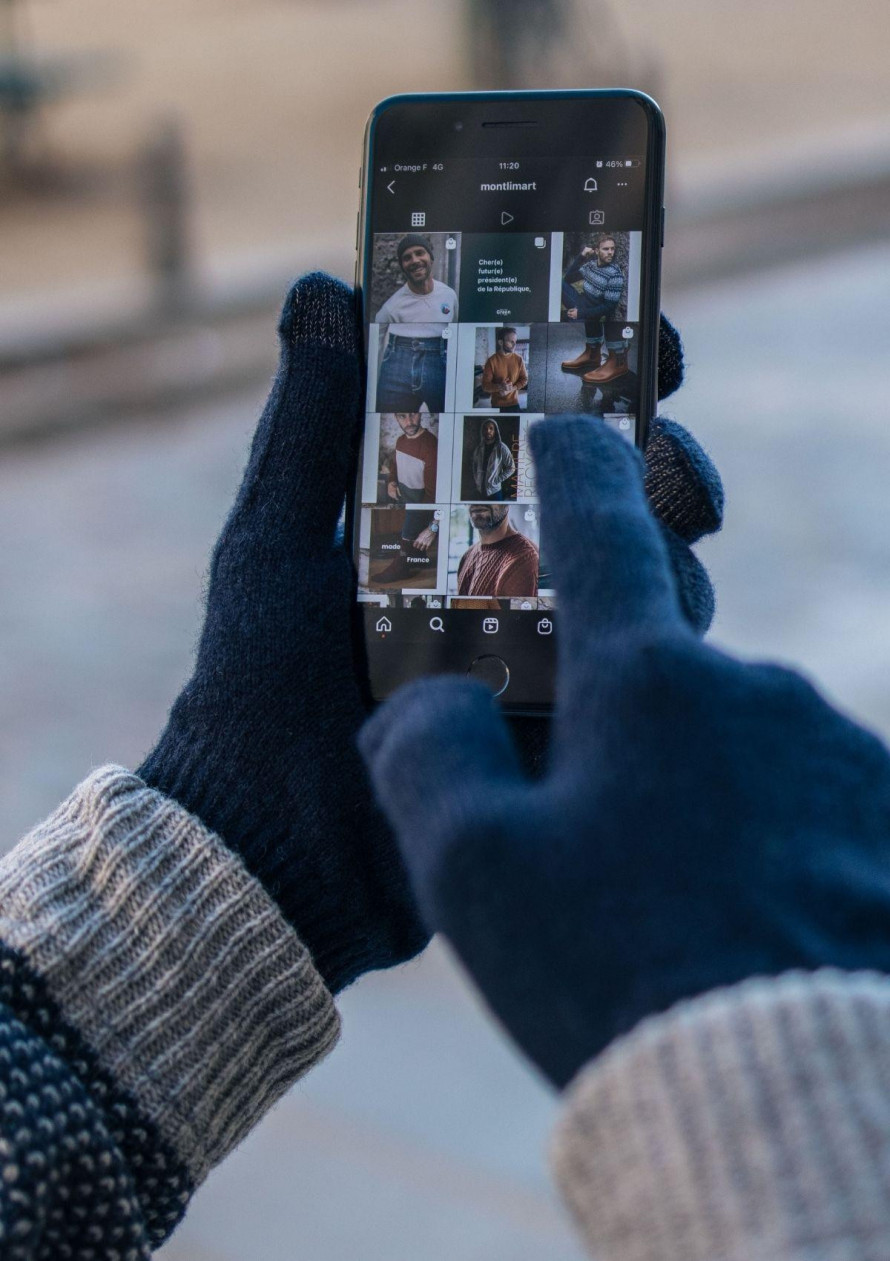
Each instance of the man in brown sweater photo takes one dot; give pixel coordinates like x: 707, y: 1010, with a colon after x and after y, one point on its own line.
x: 504, y: 376
x: 503, y: 562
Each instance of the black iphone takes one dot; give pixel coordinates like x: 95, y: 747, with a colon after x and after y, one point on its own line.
x: 508, y: 266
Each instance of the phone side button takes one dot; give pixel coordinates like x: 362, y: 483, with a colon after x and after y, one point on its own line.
x: 492, y: 671
x: 662, y: 227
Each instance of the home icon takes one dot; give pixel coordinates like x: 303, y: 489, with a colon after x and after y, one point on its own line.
x: 384, y: 626
x: 590, y: 186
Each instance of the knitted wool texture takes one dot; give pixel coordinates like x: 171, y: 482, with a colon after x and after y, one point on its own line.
x: 750, y: 1124
x: 703, y: 820
x: 158, y: 1187
x: 154, y: 1004
x: 261, y: 743
x: 54, y: 1140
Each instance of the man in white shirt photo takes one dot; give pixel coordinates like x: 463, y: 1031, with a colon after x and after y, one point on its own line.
x: 412, y: 368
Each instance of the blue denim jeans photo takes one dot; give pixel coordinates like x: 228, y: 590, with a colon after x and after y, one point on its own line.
x: 412, y: 372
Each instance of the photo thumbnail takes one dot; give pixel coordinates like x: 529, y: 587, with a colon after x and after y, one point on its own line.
x: 524, y: 604
x: 399, y: 548
x: 414, y: 278
x: 395, y: 600
x: 493, y: 550
x: 492, y: 462
x: 501, y: 368
x: 406, y: 461
x: 597, y: 376
x: 600, y: 278
x: 409, y: 370
x: 505, y: 277
x: 477, y: 602
x: 500, y: 372
x: 541, y: 604
x: 622, y: 423
x: 421, y: 601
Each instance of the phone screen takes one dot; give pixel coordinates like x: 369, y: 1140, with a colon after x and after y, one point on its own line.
x: 509, y: 272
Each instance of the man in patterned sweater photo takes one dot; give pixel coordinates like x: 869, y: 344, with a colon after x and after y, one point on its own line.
x: 603, y: 284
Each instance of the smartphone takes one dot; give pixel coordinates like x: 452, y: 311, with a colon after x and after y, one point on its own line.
x: 508, y: 265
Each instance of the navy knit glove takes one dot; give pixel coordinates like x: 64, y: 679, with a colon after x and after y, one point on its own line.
x: 702, y: 821
x: 261, y: 743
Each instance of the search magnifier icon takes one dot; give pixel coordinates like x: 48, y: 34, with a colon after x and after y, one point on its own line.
x: 436, y: 624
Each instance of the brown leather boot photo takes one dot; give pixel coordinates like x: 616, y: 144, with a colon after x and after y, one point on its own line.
x: 587, y: 361
x: 613, y: 367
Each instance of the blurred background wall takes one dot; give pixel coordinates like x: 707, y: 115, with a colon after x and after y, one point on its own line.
x: 164, y: 170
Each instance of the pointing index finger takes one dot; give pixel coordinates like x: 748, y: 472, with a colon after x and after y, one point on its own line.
x: 611, y: 567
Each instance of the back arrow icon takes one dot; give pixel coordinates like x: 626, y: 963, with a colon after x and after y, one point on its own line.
x: 506, y: 218
x: 390, y: 188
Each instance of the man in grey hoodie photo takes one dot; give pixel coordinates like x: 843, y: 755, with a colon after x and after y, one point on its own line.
x: 492, y: 462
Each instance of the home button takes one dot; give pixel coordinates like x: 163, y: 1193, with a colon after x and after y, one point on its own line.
x: 492, y: 671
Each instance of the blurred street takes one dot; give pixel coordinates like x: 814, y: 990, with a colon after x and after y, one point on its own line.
x: 273, y: 95
x: 423, y: 1136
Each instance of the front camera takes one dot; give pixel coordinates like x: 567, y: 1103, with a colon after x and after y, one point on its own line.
x: 458, y: 126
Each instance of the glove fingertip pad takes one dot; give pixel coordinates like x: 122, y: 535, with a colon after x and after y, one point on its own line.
x: 320, y: 311
x: 682, y: 482
x: 671, y: 368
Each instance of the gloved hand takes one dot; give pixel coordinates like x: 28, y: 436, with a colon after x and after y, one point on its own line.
x: 703, y: 820
x: 261, y: 743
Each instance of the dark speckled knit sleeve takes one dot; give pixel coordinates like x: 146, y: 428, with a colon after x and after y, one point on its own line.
x: 154, y: 1004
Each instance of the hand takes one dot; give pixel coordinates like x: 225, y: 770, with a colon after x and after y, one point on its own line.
x: 588, y: 251
x: 425, y: 539
x: 261, y: 743
x: 702, y: 821
x: 572, y: 313
x: 392, y: 489
x: 686, y: 496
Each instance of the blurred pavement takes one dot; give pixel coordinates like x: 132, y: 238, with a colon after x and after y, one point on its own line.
x: 422, y: 1138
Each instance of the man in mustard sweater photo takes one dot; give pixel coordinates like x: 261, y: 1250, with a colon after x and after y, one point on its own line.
x: 504, y: 376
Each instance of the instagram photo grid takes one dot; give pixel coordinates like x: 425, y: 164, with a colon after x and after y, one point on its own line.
x: 473, y: 338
